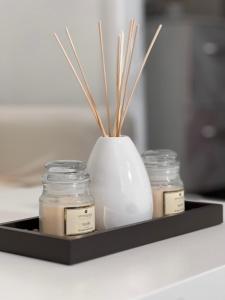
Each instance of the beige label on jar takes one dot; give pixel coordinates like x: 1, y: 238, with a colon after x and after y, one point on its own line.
x: 173, y: 202
x: 79, y: 220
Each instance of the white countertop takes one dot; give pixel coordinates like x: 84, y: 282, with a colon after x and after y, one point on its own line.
x: 133, y: 274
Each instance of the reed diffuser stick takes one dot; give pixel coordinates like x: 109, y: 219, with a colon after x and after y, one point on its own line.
x: 95, y: 112
x: 81, y: 68
x: 133, y: 39
x: 77, y: 59
x: 123, y: 70
x: 105, y: 77
x: 140, y: 72
x: 119, y: 70
x: 118, y: 117
x: 121, y: 54
x: 79, y: 63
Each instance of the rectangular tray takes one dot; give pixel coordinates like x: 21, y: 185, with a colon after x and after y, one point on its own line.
x: 22, y: 237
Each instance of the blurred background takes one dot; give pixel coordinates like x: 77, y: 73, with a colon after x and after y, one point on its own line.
x: 186, y: 91
x: 179, y: 104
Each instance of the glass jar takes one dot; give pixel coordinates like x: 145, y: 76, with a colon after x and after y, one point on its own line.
x: 66, y: 206
x: 167, y: 186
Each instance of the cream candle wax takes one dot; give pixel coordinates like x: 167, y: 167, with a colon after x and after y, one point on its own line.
x: 167, y: 186
x: 66, y: 205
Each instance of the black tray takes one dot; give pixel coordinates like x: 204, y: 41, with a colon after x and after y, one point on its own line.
x: 22, y: 237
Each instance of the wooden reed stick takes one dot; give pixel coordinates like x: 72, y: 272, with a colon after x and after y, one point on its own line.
x: 121, y: 52
x: 133, y: 39
x: 119, y: 74
x: 79, y: 63
x: 140, y: 72
x: 98, y: 119
x: 123, y: 74
x: 81, y: 68
x: 119, y: 67
x: 77, y: 58
x: 123, y: 69
x: 105, y: 77
x: 127, y: 48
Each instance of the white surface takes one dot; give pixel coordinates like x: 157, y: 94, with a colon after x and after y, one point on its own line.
x: 116, y: 165
x: 206, y: 286
x: 132, y: 274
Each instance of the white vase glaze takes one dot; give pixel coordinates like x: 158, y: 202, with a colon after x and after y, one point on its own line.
x: 119, y: 183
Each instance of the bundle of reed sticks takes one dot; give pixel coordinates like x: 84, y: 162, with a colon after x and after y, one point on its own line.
x: 124, y: 54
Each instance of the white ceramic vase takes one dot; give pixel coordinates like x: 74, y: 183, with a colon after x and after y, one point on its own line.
x: 119, y: 183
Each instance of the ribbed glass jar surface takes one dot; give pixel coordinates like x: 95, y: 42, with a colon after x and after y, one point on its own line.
x: 66, y: 206
x: 167, y: 187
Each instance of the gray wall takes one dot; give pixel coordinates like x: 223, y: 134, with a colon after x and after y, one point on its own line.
x: 32, y: 69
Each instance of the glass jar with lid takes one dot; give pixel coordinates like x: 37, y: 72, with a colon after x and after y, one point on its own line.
x: 66, y: 206
x: 167, y: 186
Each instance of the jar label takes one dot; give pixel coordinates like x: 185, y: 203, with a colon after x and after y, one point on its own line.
x: 173, y: 202
x: 79, y: 220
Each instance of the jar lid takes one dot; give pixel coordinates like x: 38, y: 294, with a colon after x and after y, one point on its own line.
x: 160, y: 158
x: 65, y: 171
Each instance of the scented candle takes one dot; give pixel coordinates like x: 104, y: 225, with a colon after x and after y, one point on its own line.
x: 66, y: 205
x: 167, y: 186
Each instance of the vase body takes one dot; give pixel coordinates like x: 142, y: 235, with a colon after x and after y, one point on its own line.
x: 119, y: 183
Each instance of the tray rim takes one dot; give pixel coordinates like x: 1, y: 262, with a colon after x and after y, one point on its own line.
x: 5, y: 225
x: 70, y: 251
